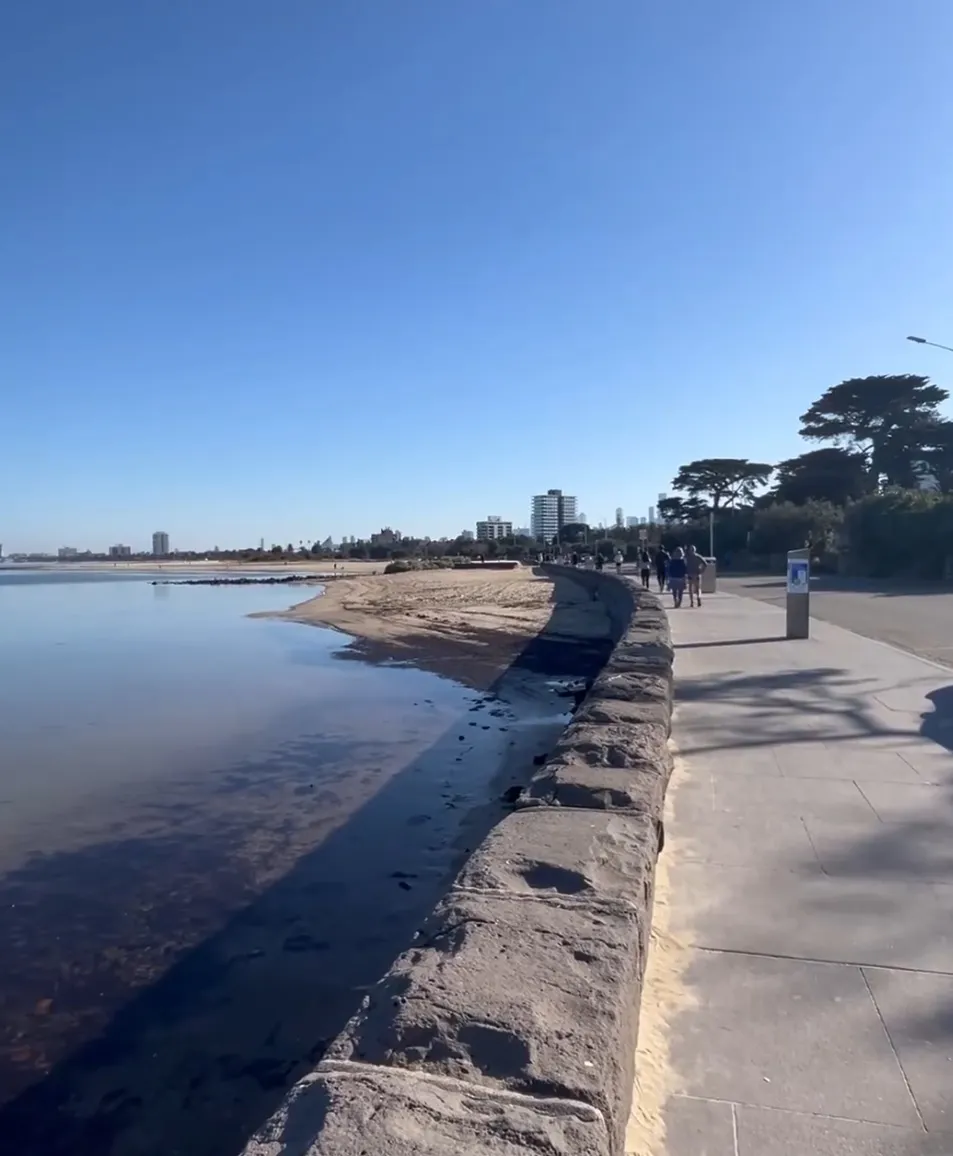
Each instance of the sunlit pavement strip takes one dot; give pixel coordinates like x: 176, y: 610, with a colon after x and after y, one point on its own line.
x: 810, y: 882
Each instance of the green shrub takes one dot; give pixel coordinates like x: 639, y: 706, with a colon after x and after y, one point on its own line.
x: 902, y: 533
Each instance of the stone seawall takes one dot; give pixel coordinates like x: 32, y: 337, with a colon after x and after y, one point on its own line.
x: 510, y: 1025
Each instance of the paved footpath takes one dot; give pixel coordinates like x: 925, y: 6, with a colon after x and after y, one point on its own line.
x: 810, y: 859
x: 918, y: 618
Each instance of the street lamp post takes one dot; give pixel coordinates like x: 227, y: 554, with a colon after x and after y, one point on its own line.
x: 935, y: 344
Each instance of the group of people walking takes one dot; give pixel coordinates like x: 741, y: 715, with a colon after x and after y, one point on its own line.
x: 679, y: 571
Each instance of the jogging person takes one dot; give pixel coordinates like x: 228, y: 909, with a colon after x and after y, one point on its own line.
x: 645, y: 568
x: 677, y: 572
x: 695, y: 566
x: 619, y: 559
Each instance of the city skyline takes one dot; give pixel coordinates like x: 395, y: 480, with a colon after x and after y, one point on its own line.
x: 502, y: 527
x: 255, y: 539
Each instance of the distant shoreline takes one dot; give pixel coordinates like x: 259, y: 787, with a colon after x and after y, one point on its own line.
x: 315, y: 566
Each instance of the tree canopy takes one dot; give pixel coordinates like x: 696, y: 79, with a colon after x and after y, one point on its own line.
x: 573, y: 532
x: 722, y: 481
x: 883, y: 418
x: 681, y: 509
x: 831, y: 474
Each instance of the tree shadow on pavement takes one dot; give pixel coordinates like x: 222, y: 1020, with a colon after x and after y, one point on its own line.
x: 784, y: 707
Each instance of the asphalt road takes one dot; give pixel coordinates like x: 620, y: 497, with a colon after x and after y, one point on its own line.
x: 915, y: 618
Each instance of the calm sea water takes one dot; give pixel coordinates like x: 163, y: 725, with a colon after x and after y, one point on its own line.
x: 213, y: 836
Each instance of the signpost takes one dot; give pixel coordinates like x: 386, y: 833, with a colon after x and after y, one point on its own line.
x: 799, y: 594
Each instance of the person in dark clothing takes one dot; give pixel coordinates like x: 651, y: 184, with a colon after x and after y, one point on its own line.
x: 677, y: 573
x: 695, y: 566
x: 661, y: 567
x: 645, y: 568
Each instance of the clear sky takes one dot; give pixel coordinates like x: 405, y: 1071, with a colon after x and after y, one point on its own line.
x: 310, y: 267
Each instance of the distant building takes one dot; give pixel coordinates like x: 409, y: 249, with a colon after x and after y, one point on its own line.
x: 550, y: 512
x: 619, y: 518
x: 160, y: 544
x: 651, y: 515
x: 386, y: 537
x: 522, y: 532
x: 67, y: 552
x: 466, y: 535
x: 120, y: 551
x: 493, y: 527
x: 631, y: 521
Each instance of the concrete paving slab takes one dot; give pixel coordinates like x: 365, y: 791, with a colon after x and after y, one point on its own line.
x: 734, y: 841
x: 917, y: 1010
x: 750, y: 761
x: 702, y: 1127
x: 901, y: 802
x: 771, y: 1031
x: 916, y: 851
x: 761, y: 799
x: 933, y: 763
x: 762, y: 1132
x: 767, y: 909
x: 831, y: 761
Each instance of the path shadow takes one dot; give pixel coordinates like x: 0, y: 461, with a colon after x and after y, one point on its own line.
x: 728, y: 642
x: 196, y: 1059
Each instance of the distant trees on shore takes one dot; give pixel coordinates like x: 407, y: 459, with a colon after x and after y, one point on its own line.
x: 877, y: 500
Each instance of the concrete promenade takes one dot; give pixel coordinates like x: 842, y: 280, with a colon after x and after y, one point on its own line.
x: 810, y: 877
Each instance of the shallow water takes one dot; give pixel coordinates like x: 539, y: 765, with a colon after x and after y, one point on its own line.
x: 213, y: 837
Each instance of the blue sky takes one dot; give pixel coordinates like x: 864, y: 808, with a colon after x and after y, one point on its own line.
x: 303, y: 268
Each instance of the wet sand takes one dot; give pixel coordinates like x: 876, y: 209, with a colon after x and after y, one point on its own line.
x: 167, y: 980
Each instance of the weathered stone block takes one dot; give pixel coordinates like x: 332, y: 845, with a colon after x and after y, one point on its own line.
x: 608, y: 745
x: 534, y: 997
x: 629, y: 700
x: 576, y: 855
x: 355, y: 1110
x: 577, y: 784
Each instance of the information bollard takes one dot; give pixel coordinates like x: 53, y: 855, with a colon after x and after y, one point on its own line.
x: 799, y: 594
x: 709, y: 583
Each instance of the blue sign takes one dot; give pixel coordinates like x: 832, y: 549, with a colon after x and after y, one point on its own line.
x: 798, y: 576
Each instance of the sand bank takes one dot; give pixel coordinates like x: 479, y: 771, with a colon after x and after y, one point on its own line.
x: 471, y: 624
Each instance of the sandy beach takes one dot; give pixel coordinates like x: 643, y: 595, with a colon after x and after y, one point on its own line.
x: 470, y: 624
